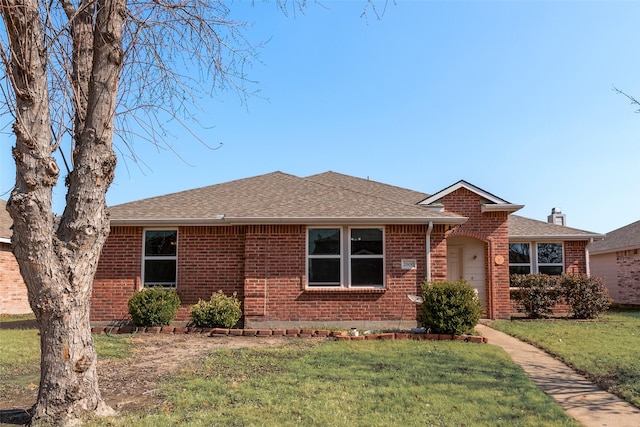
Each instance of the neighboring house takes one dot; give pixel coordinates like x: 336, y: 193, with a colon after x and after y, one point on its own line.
x: 328, y: 249
x: 616, y: 259
x: 13, y: 292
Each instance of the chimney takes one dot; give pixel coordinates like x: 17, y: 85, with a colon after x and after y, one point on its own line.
x: 557, y: 217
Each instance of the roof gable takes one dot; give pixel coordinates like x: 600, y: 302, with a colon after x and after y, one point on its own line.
x: 490, y: 202
x: 621, y: 239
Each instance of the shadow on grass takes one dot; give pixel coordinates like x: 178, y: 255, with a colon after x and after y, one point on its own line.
x: 18, y: 417
x: 20, y: 324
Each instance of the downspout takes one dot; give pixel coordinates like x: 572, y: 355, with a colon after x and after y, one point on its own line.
x: 586, y: 257
x: 490, y: 308
x: 428, y: 244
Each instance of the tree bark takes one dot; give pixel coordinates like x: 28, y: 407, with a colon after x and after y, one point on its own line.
x: 58, y: 263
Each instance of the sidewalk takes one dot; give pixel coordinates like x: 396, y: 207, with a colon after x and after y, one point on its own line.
x: 581, y: 399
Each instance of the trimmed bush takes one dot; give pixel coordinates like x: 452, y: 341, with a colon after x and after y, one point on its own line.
x: 220, y: 311
x: 586, y: 296
x: 449, y: 307
x: 153, y: 306
x: 536, y: 294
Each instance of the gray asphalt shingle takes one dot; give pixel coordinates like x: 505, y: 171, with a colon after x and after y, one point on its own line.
x: 527, y: 228
x: 280, y: 197
x: 623, y: 238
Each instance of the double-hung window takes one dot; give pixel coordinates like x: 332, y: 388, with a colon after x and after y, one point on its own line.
x: 536, y: 257
x: 160, y: 260
x: 336, y: 261
x: 324, y: 256
x: 550, y: 258
x: 519, y: 258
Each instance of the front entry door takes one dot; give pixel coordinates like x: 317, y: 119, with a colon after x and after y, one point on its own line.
x: 454, y: 263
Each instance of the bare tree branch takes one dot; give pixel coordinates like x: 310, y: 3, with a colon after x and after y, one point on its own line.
x: 632, y: 100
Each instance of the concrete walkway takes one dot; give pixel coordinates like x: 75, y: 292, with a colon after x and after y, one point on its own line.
x: 581, y: 399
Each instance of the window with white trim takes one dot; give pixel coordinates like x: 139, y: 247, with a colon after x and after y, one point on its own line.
x: 333, y: 261
x: 550, y: 258
x: 536, y: 257
x: 160, y: 258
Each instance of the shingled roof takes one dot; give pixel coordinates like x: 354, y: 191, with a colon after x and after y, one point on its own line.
x: 531, y: 229
x: 621, y: 239
x: 5, y: 222
x: 366, y: 186
x: 282, y: 198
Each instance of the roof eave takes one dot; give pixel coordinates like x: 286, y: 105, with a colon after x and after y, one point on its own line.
x: 502, y: 207
x: 613, y: 250
x: 260, y: 221
x: 557, y: 237
x: 5, y: 240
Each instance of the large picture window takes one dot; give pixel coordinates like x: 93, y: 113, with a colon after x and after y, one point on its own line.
x: 160, y: 258
x: 356, y: 262
x: 536, y: 257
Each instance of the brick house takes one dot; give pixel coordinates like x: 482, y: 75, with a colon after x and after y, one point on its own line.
x: 328, y: 249
x: 617, y: 260
x: 13, y: 292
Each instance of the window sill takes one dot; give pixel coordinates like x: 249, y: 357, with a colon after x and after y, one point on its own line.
x: 341, y: 290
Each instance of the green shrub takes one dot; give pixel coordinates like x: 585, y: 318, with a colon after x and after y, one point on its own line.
x: 586, y: 296
x: 220, y: 311
x: 449, y: 307
x: 153, y: 306
x: 536, y: 294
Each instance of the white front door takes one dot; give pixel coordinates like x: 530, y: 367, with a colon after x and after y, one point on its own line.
x: 465, y: 260
x: 454, y: 263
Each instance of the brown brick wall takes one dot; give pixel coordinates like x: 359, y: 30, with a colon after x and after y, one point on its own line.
x: 628, y: 263
x: 117, y: 275
x: 13, y: 292
x: 209, y: 259
x: 265, y: 265
x: 491, y: 228
x: 275, y: 280
x: 575, y: 257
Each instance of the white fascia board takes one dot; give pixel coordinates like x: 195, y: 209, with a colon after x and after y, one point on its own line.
x: 5, y: 240
x: 261, y: 221
x: 540, y: 238
x: 463, y: 184
x: 504, y: 207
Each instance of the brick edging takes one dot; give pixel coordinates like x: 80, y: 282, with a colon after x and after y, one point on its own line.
x: 294, y: 333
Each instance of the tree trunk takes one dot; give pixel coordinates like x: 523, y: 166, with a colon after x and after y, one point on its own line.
x: 58, y: 263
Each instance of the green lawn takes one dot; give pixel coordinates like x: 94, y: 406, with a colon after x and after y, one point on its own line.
x: 369, y: 383
x: 606, y: 350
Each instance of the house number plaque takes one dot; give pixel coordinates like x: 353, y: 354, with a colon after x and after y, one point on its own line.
x: 408, y: 264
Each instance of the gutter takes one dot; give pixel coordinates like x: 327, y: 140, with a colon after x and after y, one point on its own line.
x: 428, y: 250
x: 586, y: 258
x: 5, y: 240
x: 548, y: 237
x: 222, y: 220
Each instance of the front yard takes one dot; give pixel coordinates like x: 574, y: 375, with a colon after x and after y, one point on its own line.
x: 196, y: 380
x: 203, y: 381
x: 366, y: 383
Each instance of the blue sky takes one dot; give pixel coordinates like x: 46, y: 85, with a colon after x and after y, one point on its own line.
x: 515, y: 97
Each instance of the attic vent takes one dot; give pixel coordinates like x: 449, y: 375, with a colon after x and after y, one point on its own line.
x: 557, y: 217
